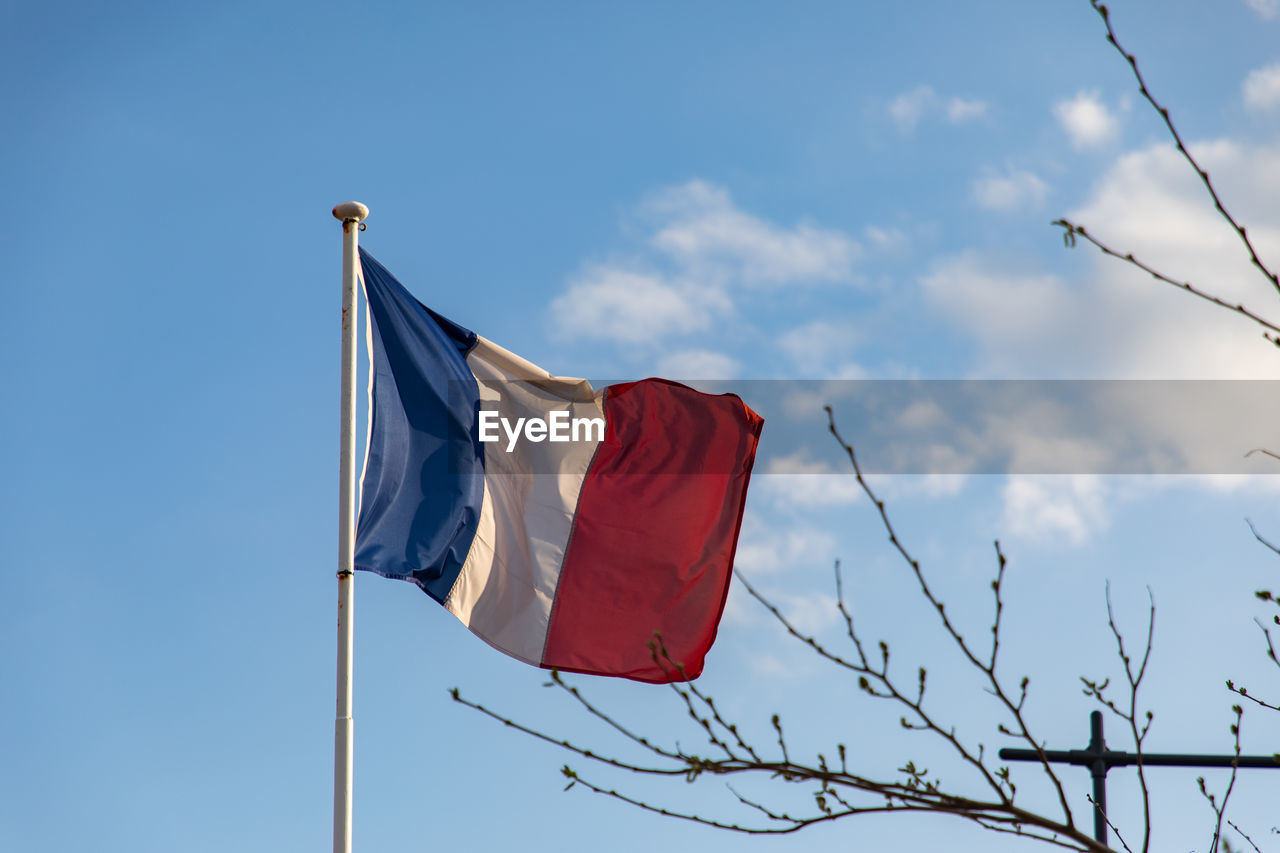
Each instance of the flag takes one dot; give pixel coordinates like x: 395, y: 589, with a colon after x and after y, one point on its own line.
x: 561, y: 524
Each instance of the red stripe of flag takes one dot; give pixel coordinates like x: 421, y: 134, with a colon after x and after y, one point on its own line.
x: 655, y: 532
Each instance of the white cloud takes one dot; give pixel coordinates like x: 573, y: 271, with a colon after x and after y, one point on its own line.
x: 807, y: 483
x: 815, y: 346
x: 1012, y: 191
x: 702, y: 230
x: 1265, y: 8
x: 897, y: 487
x: 811, y: 614
x: 772, y: 549
x: 693, y: 364
x: 1150, y: 203
x: 1086, y: 120
x: 965, y: 109
x: 1152, y: 197
x: 769, y: 653
x: 1262, y: 87
x: 700, y: 253
x: 1251, y: 484
x: 635, y: 307
x: 1111, y: 320
x: 1054, y: 509
x: 851, y: 370
x: 909, y: 108
x: 796, y: 481
x: 1057, y: 510
x: 1010, y: 312
x: 885, y: 239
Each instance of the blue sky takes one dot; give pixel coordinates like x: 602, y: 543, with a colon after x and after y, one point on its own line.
x: 698, y: 190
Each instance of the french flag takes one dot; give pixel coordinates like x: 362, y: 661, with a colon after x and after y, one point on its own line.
x: 563, y: 525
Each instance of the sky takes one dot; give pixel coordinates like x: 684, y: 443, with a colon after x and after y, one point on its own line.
x: 703, y: 191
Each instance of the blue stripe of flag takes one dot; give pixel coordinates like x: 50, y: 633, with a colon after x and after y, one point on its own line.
x: 425, y: 470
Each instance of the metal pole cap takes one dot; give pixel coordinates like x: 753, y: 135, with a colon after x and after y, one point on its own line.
x: 350, y: 211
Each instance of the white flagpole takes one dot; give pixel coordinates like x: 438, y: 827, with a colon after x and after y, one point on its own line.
x: 351, y: 214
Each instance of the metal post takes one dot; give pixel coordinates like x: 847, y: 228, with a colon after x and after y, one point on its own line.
x: 1098, y: 768
x: 351, y: 214
x: 1099, y: 760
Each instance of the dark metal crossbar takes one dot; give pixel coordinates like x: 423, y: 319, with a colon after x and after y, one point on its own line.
x: 1099, y: 760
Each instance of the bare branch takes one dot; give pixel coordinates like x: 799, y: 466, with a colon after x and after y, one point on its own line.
x: 994, y: 816
x: 987, y: 668
x: 1244, y: 836
x: 997, y: 586
x: 1071, y: 231
x: 1138, y: 731
x: 1272, y: 277
x: 1240, y: 691
x: 791, y: 824
x: 1220, y: 809
x: 564, y: 744
x: 1098, y: 808
x: 1258, y: 536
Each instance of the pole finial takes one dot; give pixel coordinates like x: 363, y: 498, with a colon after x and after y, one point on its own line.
x: 350, y: 211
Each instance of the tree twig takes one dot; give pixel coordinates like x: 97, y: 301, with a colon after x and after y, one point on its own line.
x: 1220, y: 809
x: 1200, y: 171
x: 1114, y: 829
x: 988, y: 669
x: 1134, y: 677
x: 1071, y: 231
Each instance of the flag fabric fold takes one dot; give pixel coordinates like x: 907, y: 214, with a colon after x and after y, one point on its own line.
x: 562, y: 524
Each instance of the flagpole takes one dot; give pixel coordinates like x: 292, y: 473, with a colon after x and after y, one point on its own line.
x: 351, y: 214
